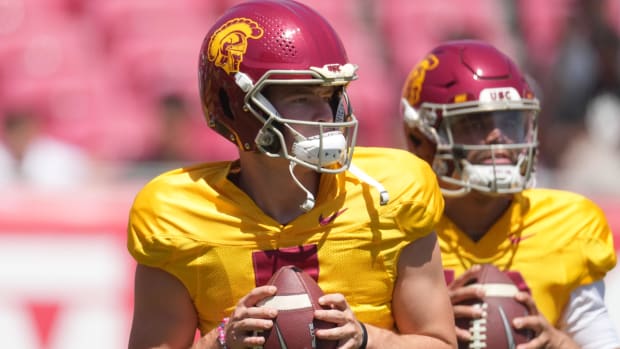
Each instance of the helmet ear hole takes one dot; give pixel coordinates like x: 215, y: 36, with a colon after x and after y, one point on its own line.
x: 268, y: 140
x: 225, y: 103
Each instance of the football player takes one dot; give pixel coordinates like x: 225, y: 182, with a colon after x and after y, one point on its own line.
x: 470, y: 113
x: 207, y: 238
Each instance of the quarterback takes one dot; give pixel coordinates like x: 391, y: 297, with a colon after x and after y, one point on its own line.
x: 273, y: 78
x: 470, y: 113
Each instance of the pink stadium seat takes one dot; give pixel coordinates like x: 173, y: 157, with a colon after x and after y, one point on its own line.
x: 88, y: 110
x: 122, y: 21
x: 153, y: 67
x: 412, y: 28
x: 47, y: 46
x: 58, y: 67
x: 612, y: 13
x: 543, y: 23
x: 65, y: 8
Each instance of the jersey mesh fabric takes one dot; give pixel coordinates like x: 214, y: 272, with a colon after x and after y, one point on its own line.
x: 558, y: 241
x: 201, y: 228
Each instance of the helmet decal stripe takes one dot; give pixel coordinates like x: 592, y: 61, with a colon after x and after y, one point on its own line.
x: 229, y: 43
x: 417, y: 76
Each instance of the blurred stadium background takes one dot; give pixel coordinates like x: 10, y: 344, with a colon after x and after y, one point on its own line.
x: 104, y: 94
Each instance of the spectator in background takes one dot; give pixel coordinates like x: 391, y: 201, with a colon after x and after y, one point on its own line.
x: 587, y: 67
x: 173, y: 140
x: 470, y: 113
x: 30, y: 157
x: 590, y: 163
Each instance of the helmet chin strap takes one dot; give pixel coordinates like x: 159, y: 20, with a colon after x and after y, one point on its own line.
x: 328, y: 151
x: 384, y: 196
x: 308, y: 204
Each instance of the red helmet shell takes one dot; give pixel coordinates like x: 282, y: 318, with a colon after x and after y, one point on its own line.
x: 253, y: 38
x: 458, y: 71
x: 469, y: 78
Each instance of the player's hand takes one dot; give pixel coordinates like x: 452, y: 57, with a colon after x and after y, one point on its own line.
x: 247, y: 320
x: 459, y: 293
x: 348, y: 332
x: 546, y: 336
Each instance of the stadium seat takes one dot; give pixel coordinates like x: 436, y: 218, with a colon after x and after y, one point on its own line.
x: 542, y: 24
x: 412, y: 28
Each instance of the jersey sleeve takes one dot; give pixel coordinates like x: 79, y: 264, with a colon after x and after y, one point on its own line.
x: 145, y: 240
x: 597, y: 242
x: 158, y: 234
x: 421, y: 203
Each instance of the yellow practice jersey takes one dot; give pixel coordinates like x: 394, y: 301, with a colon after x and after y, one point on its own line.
x: 197, y: 225
x: 554, y: 241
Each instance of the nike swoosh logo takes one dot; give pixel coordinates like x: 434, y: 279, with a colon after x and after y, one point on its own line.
x: 507, y: 329
x: 516, y: 239
x: 327, y: 220
x: 280, y: 338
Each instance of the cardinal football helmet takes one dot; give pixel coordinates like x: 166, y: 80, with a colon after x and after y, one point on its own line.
x: 260, y: 43
x: 472, y: 102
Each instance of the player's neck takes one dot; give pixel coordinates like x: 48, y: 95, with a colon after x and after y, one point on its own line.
x: 270, y: 185
x: 476, y: 213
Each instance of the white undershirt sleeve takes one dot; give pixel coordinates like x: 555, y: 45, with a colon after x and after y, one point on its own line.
x: 587, y: 321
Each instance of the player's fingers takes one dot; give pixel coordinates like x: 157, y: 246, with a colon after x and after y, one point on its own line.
x: 465, y: 277
x: 253, y: 339
x: 467, y: 311
x: 334, y: 301
x: 239, y: 337
x: 532, y: 322
x: 256, y: 295
x: 335, y: 316
x: 251, y: 324
x: 241, y: 313
x: 458, y: 295
x: 462, y: 334
x: 256, y: 340
x: 265, y: 312
x: 344, y: 341
x: 349, y: 335
x: 528, y: 301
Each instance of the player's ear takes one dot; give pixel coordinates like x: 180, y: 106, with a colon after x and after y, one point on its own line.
x: 419, y: 144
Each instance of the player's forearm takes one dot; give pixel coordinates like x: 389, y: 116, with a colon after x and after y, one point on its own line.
x: 379, y: 338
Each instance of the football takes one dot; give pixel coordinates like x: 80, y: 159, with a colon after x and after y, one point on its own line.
x: 296, y: 299
x: 494, y: 330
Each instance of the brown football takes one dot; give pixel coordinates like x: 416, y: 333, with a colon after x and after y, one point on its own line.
x: 296, y: 299
x: 495, y: 330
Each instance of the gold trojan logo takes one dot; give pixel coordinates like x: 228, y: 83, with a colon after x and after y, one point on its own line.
x: 230, y: 42
x: 417, y: 76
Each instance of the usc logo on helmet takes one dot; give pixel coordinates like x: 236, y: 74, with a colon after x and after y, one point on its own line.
x: 417, y: 76
x: 229, y: 43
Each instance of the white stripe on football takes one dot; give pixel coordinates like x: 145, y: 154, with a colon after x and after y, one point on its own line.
x: 287, y: 302
x: 498, y: 290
